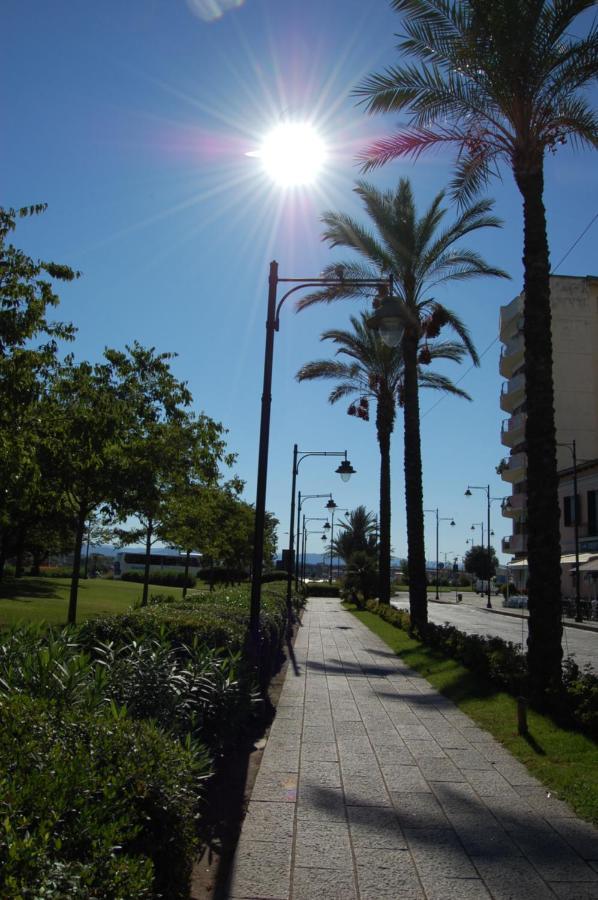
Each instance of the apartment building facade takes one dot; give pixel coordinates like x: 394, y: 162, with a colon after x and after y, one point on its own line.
x: 574, y: 307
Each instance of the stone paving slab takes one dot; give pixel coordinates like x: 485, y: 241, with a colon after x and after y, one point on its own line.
x: 374, y: 787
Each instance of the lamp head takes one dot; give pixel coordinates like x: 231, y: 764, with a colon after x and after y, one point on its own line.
x: 387, y: 320
x: 345, y: 470
x: 452, y: 523
x: 331, y: 504
x: 468, y: 493
x: 326, y: 527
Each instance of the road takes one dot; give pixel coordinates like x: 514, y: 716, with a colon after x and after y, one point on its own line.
x: 472, y: 619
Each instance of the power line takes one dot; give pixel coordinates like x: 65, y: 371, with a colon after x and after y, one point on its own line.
x: 467, y: 371
x: 575, y: 243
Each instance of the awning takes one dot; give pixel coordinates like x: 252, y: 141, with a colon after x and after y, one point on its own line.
x: 567, y: 559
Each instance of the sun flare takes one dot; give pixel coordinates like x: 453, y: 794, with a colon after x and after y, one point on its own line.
x: 292, y: 154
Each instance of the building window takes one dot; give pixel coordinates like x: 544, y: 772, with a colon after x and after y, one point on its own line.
x: 592, y: 509
x: 572, y: 516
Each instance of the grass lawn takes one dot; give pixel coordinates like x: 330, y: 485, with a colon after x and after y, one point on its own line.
x: 46, y: 599
x: 565, y: 761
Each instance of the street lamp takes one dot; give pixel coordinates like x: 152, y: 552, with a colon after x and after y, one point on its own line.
x: 345, y: 470
x: 331, y: 505
x: 273, y: 325
x: 301, y: 500
x: 573, y: 448
x: 438, y: 520
x: 489, y: 500
x: 304, y: 541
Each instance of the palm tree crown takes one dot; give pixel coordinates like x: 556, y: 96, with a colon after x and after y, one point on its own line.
x: 495, y: 80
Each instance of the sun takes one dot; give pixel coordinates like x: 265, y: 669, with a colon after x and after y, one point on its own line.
x: 292, y: 154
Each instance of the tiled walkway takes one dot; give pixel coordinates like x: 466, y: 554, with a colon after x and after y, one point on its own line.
x: 374, y: 786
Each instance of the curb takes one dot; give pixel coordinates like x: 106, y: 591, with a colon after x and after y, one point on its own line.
x: 581, y: 626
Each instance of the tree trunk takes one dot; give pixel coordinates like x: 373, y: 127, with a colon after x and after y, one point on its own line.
x: 416, y: 554
x: 186, y: 576
x: 544, y: 647
x: 146, y: 571
x: 79, y: 532
x: 384, y: 426
x: 20, y: 554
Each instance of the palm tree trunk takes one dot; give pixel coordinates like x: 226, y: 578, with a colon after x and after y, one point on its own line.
x: 384, y: 426
x: 416, y: 554
x: 543, y: 548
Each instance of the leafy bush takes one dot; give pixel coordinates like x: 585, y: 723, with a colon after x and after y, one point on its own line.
x: 93, y: 807
x: 268, y: 577
x: 321, y: 589
x: 185, y: 690
x: 581, y: 688
x: 222, y: 575
x: 165, y: 579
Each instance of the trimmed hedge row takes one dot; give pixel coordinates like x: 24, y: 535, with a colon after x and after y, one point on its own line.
x: 504, y: 664
x: 321, y: 589
x: 163, y: 579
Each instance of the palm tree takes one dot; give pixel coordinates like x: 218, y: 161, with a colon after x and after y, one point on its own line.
x: 357, y: 534
x: 501, y: 82
x: 420, y: 255
x: 375, y: 373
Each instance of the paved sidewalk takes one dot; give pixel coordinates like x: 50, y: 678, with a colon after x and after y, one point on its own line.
x: 374, y: 786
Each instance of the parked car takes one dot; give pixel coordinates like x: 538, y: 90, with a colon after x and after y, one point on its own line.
x: 515, y: 601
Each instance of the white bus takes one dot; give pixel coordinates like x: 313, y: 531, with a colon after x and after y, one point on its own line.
x: 164, y: 563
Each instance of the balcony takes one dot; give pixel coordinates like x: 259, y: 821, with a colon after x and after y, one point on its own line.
x: 511, y: 355
x: 514, y: 543
x: 512, y: 394
x: 509, y: 318
x: 512, y: 431
x: 513, y: 469
x: 515, y: 506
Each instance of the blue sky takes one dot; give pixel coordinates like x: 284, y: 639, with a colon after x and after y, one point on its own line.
x: 132, y: 121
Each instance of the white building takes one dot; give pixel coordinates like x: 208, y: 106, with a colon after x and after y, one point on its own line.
x: 574, y: 306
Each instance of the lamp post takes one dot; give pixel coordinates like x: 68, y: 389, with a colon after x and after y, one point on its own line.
x: 331, y: 505
x: 304, y: 541
x: 573, y: 448
x: 300, y: 502
x: 489, y: 499
x: 345, y: 470
x: 438, y: 520
x: 273, y: 325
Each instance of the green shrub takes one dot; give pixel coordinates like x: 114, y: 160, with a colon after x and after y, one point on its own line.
x: 93, y: 807
x: 164, y: 579
x: 268, y: 577
x: 321, y: 589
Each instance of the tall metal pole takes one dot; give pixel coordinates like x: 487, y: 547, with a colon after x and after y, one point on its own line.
x: 297, y: 539
x: 291, y: 541
x: 488, y: 602
x: 331, y: 547
x: 578, y: 613
x: 262, y: 465
x: 437, y: 555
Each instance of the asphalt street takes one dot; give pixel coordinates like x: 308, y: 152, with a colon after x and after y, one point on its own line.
x: 582, y: 645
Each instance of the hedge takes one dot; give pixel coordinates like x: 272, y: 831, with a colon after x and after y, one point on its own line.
x: 504, y: 664
x: 164, y: 579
